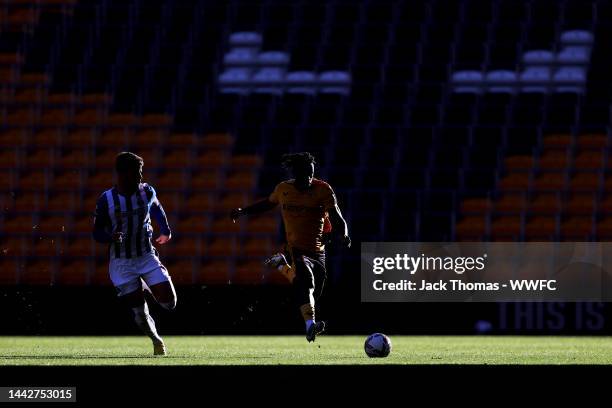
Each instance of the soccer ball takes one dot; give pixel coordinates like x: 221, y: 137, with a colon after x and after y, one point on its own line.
x: 377, y: 345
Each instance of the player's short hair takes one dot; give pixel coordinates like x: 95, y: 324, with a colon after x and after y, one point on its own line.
x: 128, y: 161
x: 292, y: 161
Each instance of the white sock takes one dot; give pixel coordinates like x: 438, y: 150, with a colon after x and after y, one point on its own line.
x: 145, y: 322
x: 309, y: 323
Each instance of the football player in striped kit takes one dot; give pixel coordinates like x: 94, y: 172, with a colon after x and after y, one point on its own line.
x: 123, y: 221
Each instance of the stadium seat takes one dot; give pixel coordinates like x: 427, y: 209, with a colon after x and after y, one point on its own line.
x: 214, y: 272
x: 510, y: 204
x: 39, y: 272
x: 73, y: 272
x: 181, y: 270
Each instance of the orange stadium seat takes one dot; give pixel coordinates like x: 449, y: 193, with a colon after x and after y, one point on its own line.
x: 55, y: 117
x: 8, y: 271
x: 8, y: 76
x: 79, y: 138
x: 245, y: 161
x: 78, y: 247
x: 88, y: 117
x: 88, y: 203
x: 471, y: 228
x: 607, y: 186
x: 122, y: 119
x: 224, y: 224
x: 260, y: 247
x: 52, y: 225
x: 181, y: 271
x: 586, y: 181
x: 241, y: 181
x: 515, y: 181
x: 83, y: 223
x: 67, y: 180
x: 555, y: 160
x: 100, y: 275
x: 252, y: 273
x: 13, y: 138
x: 177, y: 158
x: 33, y: 180
x: 592, y: 141
x: 64, y: 201
x: 267, y: 224
x: 39, y: 272
x: 214, y: 272
x: 223, y: 141
x: 170, y: 180
x: 8, y: 159
x: 194, y: 223
x: 149, y: 155
x: 105, y: 159
x: 605, y: 205
x: 23, y: 117
x: 185, y: 140
x: 514, y: 163
x: 6, y: 180
x: 205, y: 180
x: 186, y: 246
x: 156, y: 120
x: 506, y: 228
x: 547, y: 203
x: 222, y: 246
x: 589, y: 160
x: 540, y: 228
x: 112, y: 138
x: 231, y: 201
x: 99, y: 180
x: 48, y: 247
x: 604, y: 229
x: 7, y: 58
x: 211, y: 159
x: 550, y: 181
x: 73, y: 272
x: 510, y: 204
x: 577, y: 228
x: 557, y: 141
x: 23, y: 202
x: 148, y: 137
x: 32, y: 96
x: 47, y: 138
x: 34, y: 79
x: 476, y: 206
x: 198, y: 202
x: 580, y: 204
x: 61, y: 99
x: 96, y: 99
x: 39, y: 158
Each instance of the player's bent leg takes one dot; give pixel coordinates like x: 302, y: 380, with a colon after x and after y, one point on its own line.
x: 131, y: 295
x: 159, y: 282
x: 164, y: 294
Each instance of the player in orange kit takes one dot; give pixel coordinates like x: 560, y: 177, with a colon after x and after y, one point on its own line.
x: 305, y: 204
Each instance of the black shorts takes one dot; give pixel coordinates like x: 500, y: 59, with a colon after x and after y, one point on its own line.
x: 310, y: 273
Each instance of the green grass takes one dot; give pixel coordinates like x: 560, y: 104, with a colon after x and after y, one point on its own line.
x: 245, y: 350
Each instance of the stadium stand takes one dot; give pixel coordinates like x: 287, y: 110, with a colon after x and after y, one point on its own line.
x: 410, y: 158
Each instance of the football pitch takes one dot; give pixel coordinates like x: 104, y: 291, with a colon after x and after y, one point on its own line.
x: 275, y: 350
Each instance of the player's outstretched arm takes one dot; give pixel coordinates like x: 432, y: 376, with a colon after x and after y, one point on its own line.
x: 158, y: 213
x: 339, y: 224
x: 256, y: 208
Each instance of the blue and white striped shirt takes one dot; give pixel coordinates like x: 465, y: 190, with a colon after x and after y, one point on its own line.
x: 132, y: 216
